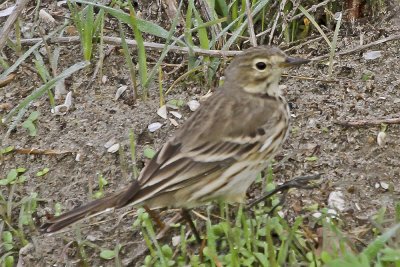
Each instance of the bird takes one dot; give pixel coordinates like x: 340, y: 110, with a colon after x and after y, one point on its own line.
x: 219, y: 150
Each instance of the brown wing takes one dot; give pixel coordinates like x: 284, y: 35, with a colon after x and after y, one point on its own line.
x: 207, y: 144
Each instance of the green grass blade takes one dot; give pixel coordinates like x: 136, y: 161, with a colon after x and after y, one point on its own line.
x: 311, y: 18
x: 375, y: 246
x: 128, y: 61
x: 166, y: 47
x: 334, y: 42
x: 141, y: 52
x: 143, y: 25
x: 260, y: 5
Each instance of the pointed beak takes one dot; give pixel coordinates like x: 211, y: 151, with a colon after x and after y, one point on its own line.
x: 294, y: 61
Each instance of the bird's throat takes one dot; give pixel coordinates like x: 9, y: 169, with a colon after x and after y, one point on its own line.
x: 265, y: 88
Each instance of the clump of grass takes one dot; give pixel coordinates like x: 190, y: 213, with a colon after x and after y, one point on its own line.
x: 16, y: 216
x: 237, y: 237
x: 102, y: 183
x: 86, y: 26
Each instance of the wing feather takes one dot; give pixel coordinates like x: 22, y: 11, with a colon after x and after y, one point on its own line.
x: 197, y: 151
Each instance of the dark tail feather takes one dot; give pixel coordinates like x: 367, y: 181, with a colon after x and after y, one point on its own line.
x: 117, y: 200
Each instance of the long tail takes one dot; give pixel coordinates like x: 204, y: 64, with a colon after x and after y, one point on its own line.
x: 116, y: 200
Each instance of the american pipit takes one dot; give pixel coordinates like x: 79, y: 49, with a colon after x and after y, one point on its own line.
x: 219, y: 150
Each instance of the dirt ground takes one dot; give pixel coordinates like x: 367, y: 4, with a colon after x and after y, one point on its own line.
x: 350, y: 158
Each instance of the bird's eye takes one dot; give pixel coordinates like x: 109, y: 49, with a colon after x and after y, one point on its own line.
x: 261, y: 65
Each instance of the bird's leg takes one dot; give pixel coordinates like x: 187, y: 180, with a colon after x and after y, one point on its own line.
x: 302, y: 182
x: 155, y: 217
x: 186, y: 215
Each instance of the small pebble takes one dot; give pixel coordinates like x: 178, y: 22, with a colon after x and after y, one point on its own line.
x: 336, y: 201
x: 193, y: 105
x: 162, y: 112
x: 154, y: 126
x: 176, y: 114
x: 370, y: 55
x: 46, y: 17
x: 176, y: 240
x: 120, y: 91
x: 385, y: 185
x: 114, y: 148
x: 381, y: 139
x: 173, y: 122
x: 110, y: 142
x: 317, y: 215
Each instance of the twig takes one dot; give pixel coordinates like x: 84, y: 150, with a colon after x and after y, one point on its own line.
x: 198, y: 51
x: 313, y: 40
x: 250, y: 25
x: 19, y: 6
x: 148, y: 45
x: 276, y: 21
x: 369, y: 122
x: 35, y: 151
x: 361, y: 47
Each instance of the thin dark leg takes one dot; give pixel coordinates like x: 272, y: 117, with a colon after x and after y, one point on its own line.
x: 299, y: 182
x: 155, y: 217
x: 186, y: 215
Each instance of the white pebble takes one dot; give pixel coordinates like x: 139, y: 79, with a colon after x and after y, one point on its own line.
x: 110, y: 142
x: 317, y: 215
x: 336, y: 201
x: 385, y: 185
x: 162, y: 112
x: 120, y: 91
x: 381, y: 138
x: 370, y: 55
x: 114, y: 148
x: 173, y: 122
x: 176, y: 114
x: 176, y: 240
x: 154, y: 126
x: 62, y: 109
x: 193, y: 105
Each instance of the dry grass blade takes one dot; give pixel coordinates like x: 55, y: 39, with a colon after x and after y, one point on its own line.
x: 148, y: 45
x: 7, y: 80
x: 369, y: 122
x: 8, y: 25
x: 250, y: 24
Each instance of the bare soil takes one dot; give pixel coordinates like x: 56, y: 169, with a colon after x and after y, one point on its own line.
x: 350, y: 158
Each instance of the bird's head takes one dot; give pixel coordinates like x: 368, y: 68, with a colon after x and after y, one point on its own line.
x: 258, y: 70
